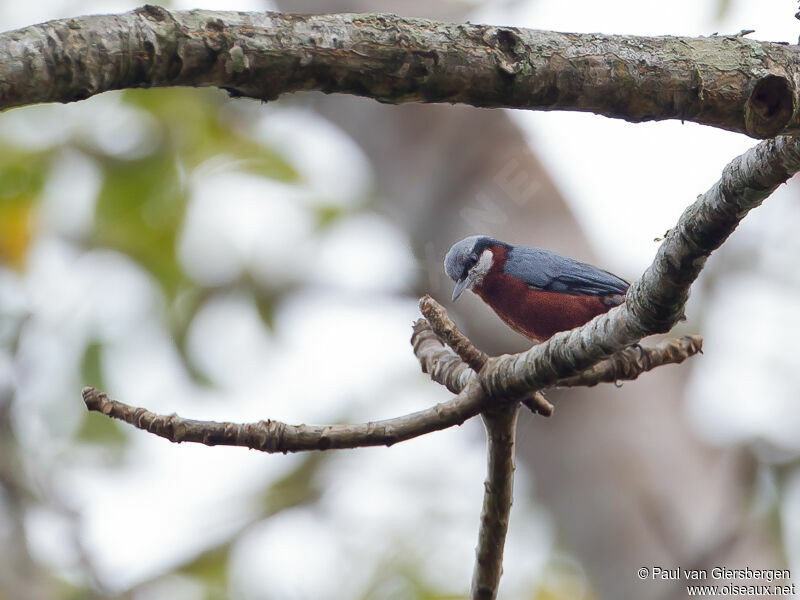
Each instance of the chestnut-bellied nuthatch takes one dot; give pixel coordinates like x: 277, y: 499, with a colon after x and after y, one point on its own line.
x: 536, y: 292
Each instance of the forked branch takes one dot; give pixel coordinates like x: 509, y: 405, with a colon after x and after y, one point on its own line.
x: 598, y: 351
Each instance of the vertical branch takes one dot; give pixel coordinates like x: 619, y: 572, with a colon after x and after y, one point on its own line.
x: 501, y: 426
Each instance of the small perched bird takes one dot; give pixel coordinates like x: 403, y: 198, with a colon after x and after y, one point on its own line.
x: 536, y: 292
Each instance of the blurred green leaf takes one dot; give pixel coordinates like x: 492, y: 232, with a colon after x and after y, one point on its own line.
x: 22, y: 177
x: 191, y: 119
x: 296, y: 488
x: 100, y: 429
x: 402, y: 579
x: 22, y: 174
x: 327, y: 214
x: 188, y: 302
x: 96, y: 428
x: 67, y: 590
x: 723, y: 7
x: 15, y: 231
x: 142, y: 201
x: 210, y: 567
x: 139, y: 210
x: 562, y: 580
x: 265, y: 305
x: 91, y: 366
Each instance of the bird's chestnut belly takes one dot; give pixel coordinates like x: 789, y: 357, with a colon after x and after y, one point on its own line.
x: 538, y: 314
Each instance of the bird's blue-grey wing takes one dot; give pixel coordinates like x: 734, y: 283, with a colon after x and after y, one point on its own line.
x: 547, y: 270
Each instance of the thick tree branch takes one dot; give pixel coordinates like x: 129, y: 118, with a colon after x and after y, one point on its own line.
x: 726, y: 81
x: 274, y: 436
x: 656, y: 301
x: 501, y: 427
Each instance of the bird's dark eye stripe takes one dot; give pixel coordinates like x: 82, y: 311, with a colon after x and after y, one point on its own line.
x: 471, y: 261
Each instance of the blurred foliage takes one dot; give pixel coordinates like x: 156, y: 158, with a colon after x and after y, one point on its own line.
x: 327, y: 215
x: 99, y: 429
x: 194, y: 131
x: 297, y: 487
x: 96, y: 428
x: 723, y: 8
x: 563, y: 580
x: 22, y: 178
x: 139, y: 211
x: 189, y: 301
x: 142, y: 203
x: 400, y: 578
x: 211, y: 569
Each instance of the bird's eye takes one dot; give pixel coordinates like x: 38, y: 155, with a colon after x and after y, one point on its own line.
x: 473, y: 258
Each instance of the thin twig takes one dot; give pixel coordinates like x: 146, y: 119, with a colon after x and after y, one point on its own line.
x: 628, y: 364
x: 275, y: 436
x: 444, y: 327
x: 539, y: 404
x: 441, y: 364
x: 501, y: 425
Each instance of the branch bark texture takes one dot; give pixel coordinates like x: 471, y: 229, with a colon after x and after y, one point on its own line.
x: 275, y: 436
x: 628, y: 364
x: 724, y: 81
x: 501, y: 427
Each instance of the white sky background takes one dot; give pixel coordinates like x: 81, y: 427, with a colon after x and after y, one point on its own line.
x: 629, y: 183
x: 193, y: 495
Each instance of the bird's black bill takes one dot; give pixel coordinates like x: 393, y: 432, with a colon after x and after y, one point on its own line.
x: 460, y: 286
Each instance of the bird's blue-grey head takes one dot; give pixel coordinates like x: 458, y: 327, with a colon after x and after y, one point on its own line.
x: 468, y: 261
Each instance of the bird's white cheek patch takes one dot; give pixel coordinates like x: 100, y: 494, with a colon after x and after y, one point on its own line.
x: 481, y: 268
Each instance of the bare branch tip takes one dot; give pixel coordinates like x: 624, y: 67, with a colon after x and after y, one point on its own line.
x: 426, y: 299
x: 539, y: 404
x: 431, y: 309
x: 93, y: 398
x: 447, y: 331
